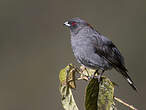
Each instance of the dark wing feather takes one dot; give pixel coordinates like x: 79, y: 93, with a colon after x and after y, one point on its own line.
x: 110, y: 53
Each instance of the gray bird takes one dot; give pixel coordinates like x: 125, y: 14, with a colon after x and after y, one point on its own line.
x: 94, y: 50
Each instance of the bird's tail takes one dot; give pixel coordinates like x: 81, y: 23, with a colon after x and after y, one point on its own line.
x: 129, y: 80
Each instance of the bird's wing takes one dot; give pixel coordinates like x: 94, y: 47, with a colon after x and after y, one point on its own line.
x: 110, y: 53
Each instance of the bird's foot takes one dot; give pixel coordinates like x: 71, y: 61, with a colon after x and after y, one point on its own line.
x: 98, y: 77
x: 90, y: 77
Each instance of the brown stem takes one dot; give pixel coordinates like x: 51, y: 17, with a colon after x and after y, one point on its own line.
x: 124, y: 103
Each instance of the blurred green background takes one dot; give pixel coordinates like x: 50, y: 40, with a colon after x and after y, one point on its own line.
x: 34, y: 46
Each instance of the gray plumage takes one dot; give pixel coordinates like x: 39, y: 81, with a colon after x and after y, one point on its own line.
x: 95, y: 51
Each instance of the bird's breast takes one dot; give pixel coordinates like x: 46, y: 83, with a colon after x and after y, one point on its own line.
x: 82, y: 46
x: 84, y: 51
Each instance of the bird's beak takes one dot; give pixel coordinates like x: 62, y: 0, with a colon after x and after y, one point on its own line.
x: 67, y: 24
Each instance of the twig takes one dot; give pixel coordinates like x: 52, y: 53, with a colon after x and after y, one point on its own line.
x: 124, y: 103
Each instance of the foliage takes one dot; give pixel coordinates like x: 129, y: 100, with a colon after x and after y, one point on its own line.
x: 99, y: 96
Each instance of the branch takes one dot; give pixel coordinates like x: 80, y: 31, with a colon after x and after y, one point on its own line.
x: 124, y: 103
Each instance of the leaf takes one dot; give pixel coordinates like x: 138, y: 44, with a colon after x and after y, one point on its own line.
x: 106, y: 92
x: 67, y: 76
x: 92, y: 95
x: 67, y: 80
x: 100, y: 96
x: 67, y: 99
x: 71, y: 77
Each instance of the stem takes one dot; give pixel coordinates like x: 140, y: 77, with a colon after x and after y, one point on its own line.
x: 124, y: 103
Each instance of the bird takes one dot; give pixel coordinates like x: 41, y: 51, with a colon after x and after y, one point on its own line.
x: 93, y: 50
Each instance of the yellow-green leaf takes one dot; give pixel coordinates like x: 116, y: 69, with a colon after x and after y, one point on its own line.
x: 67, y: 98
x: 67, y: 79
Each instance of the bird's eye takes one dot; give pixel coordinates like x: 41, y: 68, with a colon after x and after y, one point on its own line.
x: 73, y: 23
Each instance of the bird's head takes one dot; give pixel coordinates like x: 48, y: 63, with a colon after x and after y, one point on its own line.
x: 75, y: 24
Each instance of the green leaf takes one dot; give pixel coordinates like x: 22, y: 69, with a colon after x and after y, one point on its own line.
x: 92, y: 95
x: 99, y: 96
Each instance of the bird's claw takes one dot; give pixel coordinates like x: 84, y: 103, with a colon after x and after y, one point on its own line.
x: 98, y: 77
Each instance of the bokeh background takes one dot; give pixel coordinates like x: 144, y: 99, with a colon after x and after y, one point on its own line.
x: 34, y: 46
